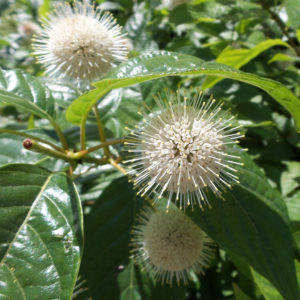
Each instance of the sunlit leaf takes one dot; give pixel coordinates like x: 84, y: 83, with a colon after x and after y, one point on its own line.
x: 237, y: 58
x: 161, y: 64
x: 27, y: 93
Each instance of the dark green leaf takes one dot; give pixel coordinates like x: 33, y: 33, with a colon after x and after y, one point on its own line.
x: 130, y: 280
x: 239, y: 294
x: 252, y: 224
x: 107, y: 230
x: 41, y: 233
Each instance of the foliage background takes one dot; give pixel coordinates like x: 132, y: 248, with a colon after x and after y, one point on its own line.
x: 259, y: 37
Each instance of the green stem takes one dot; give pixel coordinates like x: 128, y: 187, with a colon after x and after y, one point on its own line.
x: 105, y: 144
x: 35, y: 147
x: 69, y: 156
x: 101, y: 131
x: 97, y: 161
x: 82, y: 136
x: 60, y: 135
x: 31, y: 137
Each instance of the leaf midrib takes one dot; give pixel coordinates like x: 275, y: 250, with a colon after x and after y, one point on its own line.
x: 26, y: 218
x: 29, y: 102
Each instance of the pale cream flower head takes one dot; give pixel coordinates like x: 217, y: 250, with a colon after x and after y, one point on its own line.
x: 81, y: 43
x: 182, y: 149
x: 169, y: 245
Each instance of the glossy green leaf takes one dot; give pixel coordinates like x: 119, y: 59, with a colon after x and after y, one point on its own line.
x: 237, y: 58
x: 63, y: 92
x: 293, y: 10
x: 107, y: 230
x: 12, y: 151
x: 27, y: 93
x: 252, y: 224
x: 41, y: 233
x: 161, y: 64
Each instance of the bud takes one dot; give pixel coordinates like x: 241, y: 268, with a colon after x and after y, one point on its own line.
x: 27, y: 144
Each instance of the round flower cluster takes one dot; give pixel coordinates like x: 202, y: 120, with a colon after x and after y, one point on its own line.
x: 81, y: 43
x: 170, y: 245
x: 182, y: 149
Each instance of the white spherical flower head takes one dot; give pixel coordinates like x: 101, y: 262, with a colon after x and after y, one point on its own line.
x: 182, y: 150
x: 80, y: 42
x: 169, y: 245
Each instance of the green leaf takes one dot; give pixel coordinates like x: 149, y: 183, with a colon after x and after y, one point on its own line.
x: 44, y: 8
x: 298, y: 35
x: 237, y: 58
x: 129, y: 281
x: 134, y: 284
x: 161, y: 64
x: 12, y: 151
x: 107, y: 230
x: 293, y: 10
x: 252, y: 224
x: 290, y: 179
x: 27, y: 93
x: 41, y: 233
x: 282, y: 57
x: 293, y: 205
x: 239, y: 294
x: 4, y: 42
x: 267, y: 289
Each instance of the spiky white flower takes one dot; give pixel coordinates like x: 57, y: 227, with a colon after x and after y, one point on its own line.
x: 182, y: 149
x: 81, y: 43
x: 170, y: 245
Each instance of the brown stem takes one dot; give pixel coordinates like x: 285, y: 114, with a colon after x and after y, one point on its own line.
x: 115, y: 163
x: 282, y: 26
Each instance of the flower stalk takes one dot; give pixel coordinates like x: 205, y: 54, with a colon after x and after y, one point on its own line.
x: 60, y: 135
x: 38, y: 148
x: 101, y: 131
x: 69, y: 156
